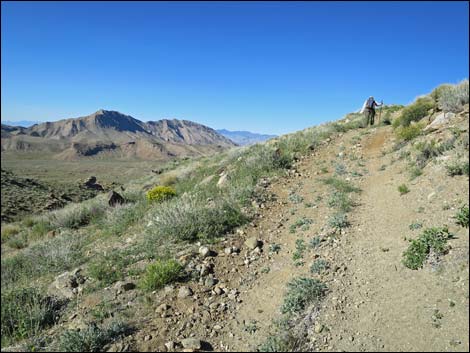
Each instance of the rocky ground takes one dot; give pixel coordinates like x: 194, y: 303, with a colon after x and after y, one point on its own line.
x: 26, y: 196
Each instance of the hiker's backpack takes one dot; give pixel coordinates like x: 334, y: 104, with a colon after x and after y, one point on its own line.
x: 370, y: 103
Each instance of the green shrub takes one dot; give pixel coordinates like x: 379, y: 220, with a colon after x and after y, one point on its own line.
x: 20, y: 241
x: 122, y: 217
x: 462, y: 216
x: 78, y: 215
x: 315, y: 242
x: 109, y: 268
x: 409, y: 132
x: 302, y: 292
x: 415, y: 225
x: 8, y: 231
x: 415, y: 172
x: 302, y: 223
x: 41, y: 227
x: 341, y: 201
x: 457, y: 168
x: 299, y: 250
x: 341, y: 185
x: 430, y: 149
x: 416, y: 111
x: 161, y: 273
x: 274, y: 248
x: 437, y: 93
x: 160, y: 193
x: 403, y: 189
x: 28, y: 221
x: 192, y: 218
x: 91, y: 339
x: 339, y: 220
x: 25, y: 312
x: 50, y: 257
x: 453, y: 98
x: 168, y: 179
x: 281, y: 342
x: 295, y: 198
x: 434, y: 239
x: 319, y: 266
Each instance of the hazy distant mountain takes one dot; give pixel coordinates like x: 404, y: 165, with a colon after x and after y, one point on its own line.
x: 22, y: 123
x: 115, y: 134
x: 244, y: 137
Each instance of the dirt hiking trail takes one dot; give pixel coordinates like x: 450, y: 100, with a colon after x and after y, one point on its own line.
x: 374, y: 302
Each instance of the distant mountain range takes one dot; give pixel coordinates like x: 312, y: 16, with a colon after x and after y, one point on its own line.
x: 244, y: 137
x: 22, y: 123
x: 110, y: 133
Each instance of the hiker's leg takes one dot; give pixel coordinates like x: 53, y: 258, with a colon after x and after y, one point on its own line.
x: 372, y: 116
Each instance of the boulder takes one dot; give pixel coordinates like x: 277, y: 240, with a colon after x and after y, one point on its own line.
x: 115, y: 199
x: 65, y: 284
x: 440, y: 121
x: 92, y: 184
x: 224, y: 178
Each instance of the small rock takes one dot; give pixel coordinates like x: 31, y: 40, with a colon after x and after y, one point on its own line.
x: 170, y: 346
x: 147, y: 338
x: 210, y: 282
x: 252, y: 243
x: 204, y: 251
x: 191, y: 343
x: 162, y: 308
x: 124, y: 286
x: 228, y: 251
x: 184, y: 292
x: 318, y: 328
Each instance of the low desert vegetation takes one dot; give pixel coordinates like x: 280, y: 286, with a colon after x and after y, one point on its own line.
x: 303, y: 223
x: 403, y: 189
x: 302, y: 292
x: 25, y: 312
x: 415, y: 112
x: 319, y: 266
x: 452, y: 98
x: 339, y: 221
x: 160, y: 273
x: 299, y: 250
x: 462, y: 216
x: 432, y: 239
x: 160, y: 193
x: 457, y: 168
x: 409, y: 132
x: 8, y: 231
x: 341, y: 185
x: 93, y: 338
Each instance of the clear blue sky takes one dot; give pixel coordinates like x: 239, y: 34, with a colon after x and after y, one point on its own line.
x: 270, y: 67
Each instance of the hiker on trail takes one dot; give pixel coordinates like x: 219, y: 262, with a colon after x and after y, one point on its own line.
x: 368, y: 108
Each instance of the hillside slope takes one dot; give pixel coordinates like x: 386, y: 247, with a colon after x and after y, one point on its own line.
x: 298, y: 244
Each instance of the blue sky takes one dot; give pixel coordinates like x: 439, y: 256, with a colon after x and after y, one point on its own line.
x: 270, y: 67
